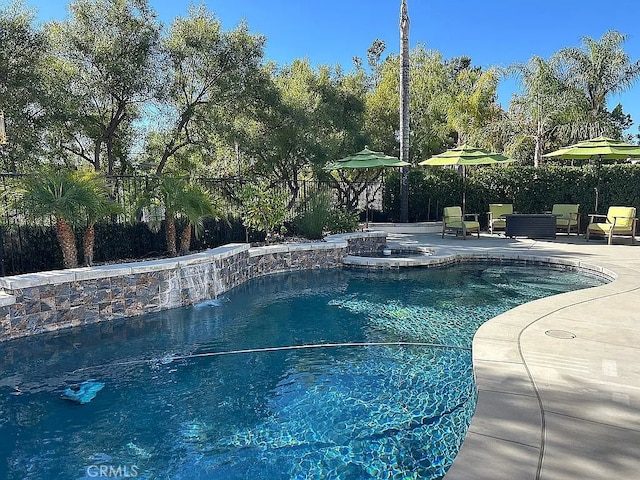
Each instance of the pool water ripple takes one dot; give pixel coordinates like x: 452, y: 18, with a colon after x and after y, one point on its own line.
x: 339, y: 374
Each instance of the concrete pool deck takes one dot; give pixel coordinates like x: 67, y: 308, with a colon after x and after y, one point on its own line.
x: 558, y: 378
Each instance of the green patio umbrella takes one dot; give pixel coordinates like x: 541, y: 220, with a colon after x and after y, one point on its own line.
x: 465, y: 155
x: 600, y: 148
x: 366, y: 159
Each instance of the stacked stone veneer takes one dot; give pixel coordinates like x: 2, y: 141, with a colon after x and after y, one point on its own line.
x: 48, y: 301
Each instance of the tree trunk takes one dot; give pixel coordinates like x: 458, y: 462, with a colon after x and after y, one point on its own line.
x: 88, y: 243
x: 294, y: 189
x: 110, y: 161
x: 172, y: 147
x: 96, y: 155
x: 404, y: 111
x: 109, y: 133
x: 67, y: 241
x: 185, y: 239
x: 170, y: 226
x: 537, y: 152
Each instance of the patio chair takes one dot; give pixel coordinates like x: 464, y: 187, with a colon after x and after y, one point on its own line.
x: 617, y: 221
x: 495, y: 216
x: 567, y: 217
x: 454, y: 221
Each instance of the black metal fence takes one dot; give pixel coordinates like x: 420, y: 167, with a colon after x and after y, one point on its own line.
x: 29, y: 244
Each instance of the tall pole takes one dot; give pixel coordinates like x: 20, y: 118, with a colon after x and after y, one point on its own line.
x: 3, y: 133
x: 404, y: 111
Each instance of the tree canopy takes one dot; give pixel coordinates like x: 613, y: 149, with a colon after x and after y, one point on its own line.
x: 113, y: 89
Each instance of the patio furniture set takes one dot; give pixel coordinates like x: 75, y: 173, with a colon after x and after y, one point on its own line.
x: 619, y: 221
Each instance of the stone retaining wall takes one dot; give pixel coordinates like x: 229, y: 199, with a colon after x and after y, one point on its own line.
x: 41, y: 302
x: 48, y: 301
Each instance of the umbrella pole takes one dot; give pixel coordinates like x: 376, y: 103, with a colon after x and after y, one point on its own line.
x: 599, y: 160
x: 366, y: 204
x: 464, y: 189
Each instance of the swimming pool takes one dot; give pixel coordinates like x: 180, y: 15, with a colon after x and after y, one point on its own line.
x: 316, y: 374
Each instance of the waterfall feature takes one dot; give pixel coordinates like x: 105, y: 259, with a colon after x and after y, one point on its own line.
x: 200, y: 282
x: 218, y: 286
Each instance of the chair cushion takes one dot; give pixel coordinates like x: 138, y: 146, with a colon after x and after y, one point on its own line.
x: 564, y: 222
x: 472, y: 225
x: 604, y: 228
x: 498, y: 209
x: 627, y: 212
x: 600, y: 228
x: 565, y: 210
x: 452, y: 212
x: 467, y: 225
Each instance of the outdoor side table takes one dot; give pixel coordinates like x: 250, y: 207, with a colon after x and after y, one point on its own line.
x: 534, y: 225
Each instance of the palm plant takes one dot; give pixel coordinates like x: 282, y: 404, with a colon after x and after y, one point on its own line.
x: 545, y: 103
x: 99, y: 206
x: 599, y: 69
x: 404, y: 110
x: 61, y: 194
x: 169, y: 194
x: 178, y: 198
x: 196, y: 205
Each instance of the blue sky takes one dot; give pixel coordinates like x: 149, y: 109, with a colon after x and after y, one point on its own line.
x: 491, y: 32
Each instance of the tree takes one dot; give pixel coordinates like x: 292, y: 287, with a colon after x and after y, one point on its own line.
x: 309, y: 117
x: 374, y: 54
x: 196, y: 206
x: 469, y: 100
x: 22, y: 97
x: 178, y: 198
x: 64, y: 195
x: 545, y: 104
x: 382, y: 105
x: 341, y: 115
x: 284, y: 137
x: 98, y: 205
x: 598, y: 69
x: 104, y: 59
x: 430, y: 132
x: 404, y: 111
x: 211, y: 76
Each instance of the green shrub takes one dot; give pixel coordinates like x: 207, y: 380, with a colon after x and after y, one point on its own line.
x: 529, y: 189
x: 430, y: 190
x: 342, y: 221
x: 264, y: 210
x: 314, y: 215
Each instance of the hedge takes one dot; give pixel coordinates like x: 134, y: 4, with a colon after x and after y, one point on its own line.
x: 529, y: 189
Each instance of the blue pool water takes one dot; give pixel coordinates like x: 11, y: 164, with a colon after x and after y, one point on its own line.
x: 319, y: 374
